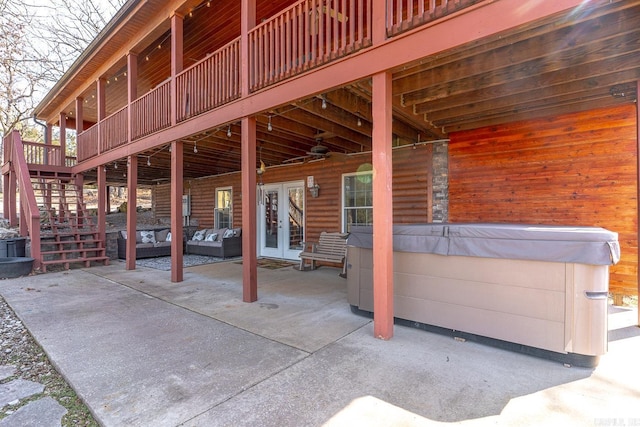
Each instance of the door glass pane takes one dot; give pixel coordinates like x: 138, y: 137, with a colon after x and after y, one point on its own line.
x: 223, y: 216
x: 296, y: 217
x: 271, y: 219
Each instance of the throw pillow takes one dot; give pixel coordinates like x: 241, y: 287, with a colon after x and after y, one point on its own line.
x: 148, y: 236
x: 211, y: 237
x: 123, y: 233
x: 228, y: 233
x: 168, y: 237
x: 199, y: 235
x: 161, y: 236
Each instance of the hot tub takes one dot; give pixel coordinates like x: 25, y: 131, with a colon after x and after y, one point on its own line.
x: 542, y: 289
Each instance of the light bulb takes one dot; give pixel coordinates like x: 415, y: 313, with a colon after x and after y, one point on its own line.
x: 195, y: 148
x: 324, y: 104
x: 269, y: 127
x: 359, y: 122
x: 229, y: 132
x: 149, y: 161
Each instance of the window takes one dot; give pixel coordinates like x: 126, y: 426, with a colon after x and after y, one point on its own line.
x: 223, y: 211
x: 357, y: 200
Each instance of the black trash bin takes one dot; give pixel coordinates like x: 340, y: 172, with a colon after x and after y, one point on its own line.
x: 13, y: 247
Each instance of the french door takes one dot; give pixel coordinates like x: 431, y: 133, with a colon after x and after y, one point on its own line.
x: 281, y: 220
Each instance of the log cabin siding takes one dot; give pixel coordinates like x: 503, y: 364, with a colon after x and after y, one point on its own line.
x: 575, y: 169
x: 412, y: 177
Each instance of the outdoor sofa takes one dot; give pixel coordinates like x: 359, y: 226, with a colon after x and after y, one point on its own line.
x: 222, y: 243
x: 149, y: 243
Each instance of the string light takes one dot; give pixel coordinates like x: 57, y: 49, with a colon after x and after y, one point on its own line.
x: 324, y: 103
x: 269, y: 126
x: 195, y: 147
x: 359, y: 122
x: 148, y: 160
x: 229, y: 132
x: 115, y: 165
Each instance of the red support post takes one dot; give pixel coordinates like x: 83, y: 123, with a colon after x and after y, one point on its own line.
x: 248, y: 12
x: 177, y: 188
x: 132, y: 90
x: 638, y: 171
x: 132, y: 214
x: 379, y: 21
x: 63, y: 134
x: 102, y: 202
x: 177, y: 22
x: 79, y: 116
x: 79, y: 183
x: 249, y: 227
x: 382, y: 207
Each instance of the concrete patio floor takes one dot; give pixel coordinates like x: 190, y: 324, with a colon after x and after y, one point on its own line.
x: 142, y: 351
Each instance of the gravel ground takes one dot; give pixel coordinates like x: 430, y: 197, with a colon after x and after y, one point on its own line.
x: 19, y: 349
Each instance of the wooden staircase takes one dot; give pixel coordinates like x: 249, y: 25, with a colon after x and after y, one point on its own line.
x: 68, y: 233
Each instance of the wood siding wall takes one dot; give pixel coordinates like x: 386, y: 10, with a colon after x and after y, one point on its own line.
x: 411, y: 187
x: 577, y: 169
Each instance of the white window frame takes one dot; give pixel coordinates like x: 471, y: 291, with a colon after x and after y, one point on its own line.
x: 216, y: 208
x: 344, y: 208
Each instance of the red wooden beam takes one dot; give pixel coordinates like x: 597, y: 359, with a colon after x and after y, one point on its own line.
x: 638, y: 180
x: 382, y: 207
x: 177, y: 169
x: 132, y: 215
x: 249, y: 227
x: 102, y: 203
x: 177, y: 34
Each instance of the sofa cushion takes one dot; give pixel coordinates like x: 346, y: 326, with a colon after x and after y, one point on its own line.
x: 148, y: 236
x: 123, y: 234
x: 204, y: 243
x: 161, y: 244
x: 237, y: 232
x: 138, y: 237
x: 199, y: 235
x: 161, y: 235
x: 145, y: 245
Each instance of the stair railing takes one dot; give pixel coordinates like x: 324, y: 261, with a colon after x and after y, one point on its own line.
x: 31, y: 221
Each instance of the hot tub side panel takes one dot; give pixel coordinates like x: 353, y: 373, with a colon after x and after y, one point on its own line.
x: 524, y: 302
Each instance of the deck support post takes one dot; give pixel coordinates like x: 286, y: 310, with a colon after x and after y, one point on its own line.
x: 10, y: 191
x: 177, y: 188
x: 638, y: 171
x: 63, y: 134
x: 101, y: 106
x: 382, y: 207
x: 132, y: 90
x: 79, y: 184
x: 249, y: 227
x: 177, y: 25
x: 132, y: 214
x: 248, y: 13
x: 102, y: 203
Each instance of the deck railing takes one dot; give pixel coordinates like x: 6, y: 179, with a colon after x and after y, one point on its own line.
x: 151, y: 112
x: 209, y: 83
x: 87, y: 144
x: 37, y: 153
x: 403, y: 15
x: 114, y: 130
x: 305, y: 35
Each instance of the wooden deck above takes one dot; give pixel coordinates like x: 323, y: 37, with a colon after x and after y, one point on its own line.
x: 309, y: 79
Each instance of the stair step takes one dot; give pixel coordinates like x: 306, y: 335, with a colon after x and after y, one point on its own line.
x: 70, y: 242
x: 72, y: 251
x: 68, y: 234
